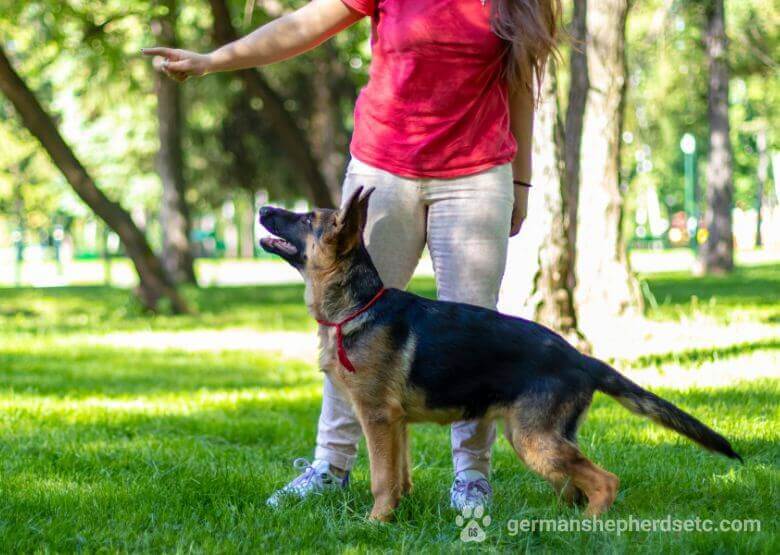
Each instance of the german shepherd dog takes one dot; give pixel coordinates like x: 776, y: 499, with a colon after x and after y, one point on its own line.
x: 402, y: 358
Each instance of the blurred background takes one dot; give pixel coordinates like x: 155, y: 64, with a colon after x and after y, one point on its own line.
x: 663, y: 142
x: 158, y: 370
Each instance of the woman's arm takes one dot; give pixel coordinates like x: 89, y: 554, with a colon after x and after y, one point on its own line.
x: 282, y: 38
x: 521, y: 110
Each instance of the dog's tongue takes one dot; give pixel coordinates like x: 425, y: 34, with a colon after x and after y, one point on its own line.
x: 279, y: 244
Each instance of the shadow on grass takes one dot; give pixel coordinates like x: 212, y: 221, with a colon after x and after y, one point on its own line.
x: 268, y: 423
x: 773, y: 318
x: 707, y: 354
x: 75, y: 309
x: 116, y: 372
x: 201, y: 478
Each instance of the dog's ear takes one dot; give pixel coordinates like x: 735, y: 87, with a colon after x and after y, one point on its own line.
x: 363, y: 206
x: 348, y: 208
x: 352, y: 217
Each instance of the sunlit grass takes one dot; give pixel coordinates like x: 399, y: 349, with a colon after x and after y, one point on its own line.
x: 107, y: 445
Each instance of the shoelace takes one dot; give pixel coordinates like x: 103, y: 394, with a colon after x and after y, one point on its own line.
x: 481, y: 485
x: 308, y: 473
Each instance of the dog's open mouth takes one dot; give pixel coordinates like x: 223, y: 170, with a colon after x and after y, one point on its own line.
x: 278, y: 245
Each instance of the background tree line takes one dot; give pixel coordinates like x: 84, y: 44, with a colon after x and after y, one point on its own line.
x: 634, y: 78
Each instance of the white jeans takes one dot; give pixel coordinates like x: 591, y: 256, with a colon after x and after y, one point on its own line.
x: 465, y: 222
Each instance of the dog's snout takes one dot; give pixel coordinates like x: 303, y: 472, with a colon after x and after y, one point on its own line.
x: 266, y: 212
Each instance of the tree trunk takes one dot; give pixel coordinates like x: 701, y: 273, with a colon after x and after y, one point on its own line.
x: 328, y: 138
x: 605, y: 286
x: 154, y: 283
x: 247, y: 215
x: 21, y: 229
x: 552, y: 296
x: 717, y: 253
x: 762, y: 174
x: 575, y: 113
x: 291, y: 137
x: 536, y: 284
x: 177, y: 255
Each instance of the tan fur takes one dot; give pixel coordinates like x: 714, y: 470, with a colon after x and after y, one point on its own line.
x: 385, y: 402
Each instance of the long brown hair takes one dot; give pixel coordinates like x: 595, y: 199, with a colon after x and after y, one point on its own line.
x: 530, y: 28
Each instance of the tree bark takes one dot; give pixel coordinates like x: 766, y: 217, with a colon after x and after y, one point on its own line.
x: 575, y: 113
x: 605, y: 287
x: 291, y: 137
x: 328, y: 137
x: 177, y: 254
x: 717, y: 253
x: 552, y: 296
x: 536, y: 283
x: 154, y: 283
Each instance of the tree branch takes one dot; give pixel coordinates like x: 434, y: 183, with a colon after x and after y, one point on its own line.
x: 291, y: 137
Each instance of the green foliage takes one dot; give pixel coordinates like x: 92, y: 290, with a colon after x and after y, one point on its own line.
x: 82, y: 58
x: 667, y: 92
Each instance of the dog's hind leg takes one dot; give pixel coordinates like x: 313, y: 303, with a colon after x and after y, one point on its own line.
x: 597, y: 484
x: 560, y: 461
x: 404, y: 462
x: 567, y: 491
x: 563, y: 486
x: 570, y: 494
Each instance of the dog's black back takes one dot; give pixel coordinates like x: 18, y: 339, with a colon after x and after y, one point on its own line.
x: 471, y: 358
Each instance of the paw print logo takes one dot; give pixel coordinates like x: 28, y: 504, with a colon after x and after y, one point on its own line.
x: 469, y: 519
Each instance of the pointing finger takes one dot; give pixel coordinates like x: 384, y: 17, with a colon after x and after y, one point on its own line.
x: 157, y: 51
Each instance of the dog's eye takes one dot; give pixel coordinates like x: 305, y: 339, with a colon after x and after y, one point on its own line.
x: 308, y: 220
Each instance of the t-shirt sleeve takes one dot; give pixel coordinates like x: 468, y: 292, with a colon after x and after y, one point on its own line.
x: 366, y: 7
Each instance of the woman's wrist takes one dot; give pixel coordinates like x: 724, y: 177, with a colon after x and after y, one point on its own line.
x: 521, y: 192
x: 211, y: 62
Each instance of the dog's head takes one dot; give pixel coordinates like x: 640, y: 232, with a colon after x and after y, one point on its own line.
x: 320, y: 240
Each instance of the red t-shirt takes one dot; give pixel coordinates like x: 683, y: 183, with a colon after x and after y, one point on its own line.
x: 436, y: 103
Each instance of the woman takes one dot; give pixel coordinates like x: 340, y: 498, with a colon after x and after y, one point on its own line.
x: 443, y: 132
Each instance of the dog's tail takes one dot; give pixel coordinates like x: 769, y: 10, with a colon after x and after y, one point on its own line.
x: 642, y: 402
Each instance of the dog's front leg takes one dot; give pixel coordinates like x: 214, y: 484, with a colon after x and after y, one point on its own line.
x: 383, y: 439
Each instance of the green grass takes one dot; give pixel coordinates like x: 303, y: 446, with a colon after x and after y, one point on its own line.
x: 750, y: 292
x: 107, y: 448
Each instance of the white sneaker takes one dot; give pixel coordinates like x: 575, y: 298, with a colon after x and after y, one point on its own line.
x: 470, y: 489
x: 315, y: 479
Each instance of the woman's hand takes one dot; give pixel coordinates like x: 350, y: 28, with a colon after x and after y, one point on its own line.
x: 282, y: 38
x: 178, y: 64
x: 519, y: 210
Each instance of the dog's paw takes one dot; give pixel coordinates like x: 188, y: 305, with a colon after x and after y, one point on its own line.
x: 380, y: 515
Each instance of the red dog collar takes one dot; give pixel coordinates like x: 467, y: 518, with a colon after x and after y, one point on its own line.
x: 342, y: 352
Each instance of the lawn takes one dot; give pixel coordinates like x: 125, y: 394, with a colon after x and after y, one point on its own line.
x: 125, y: 432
